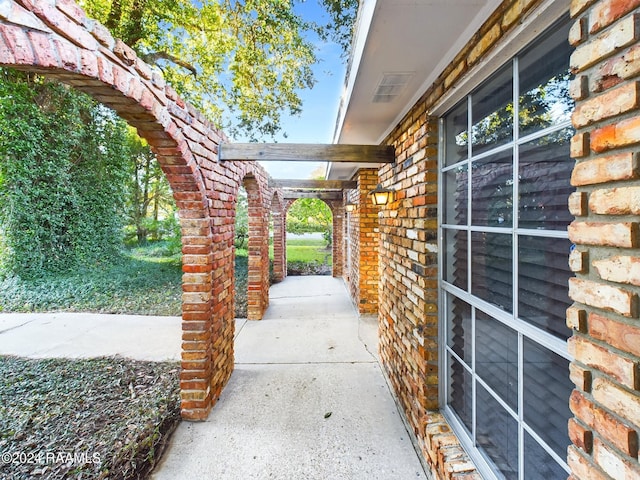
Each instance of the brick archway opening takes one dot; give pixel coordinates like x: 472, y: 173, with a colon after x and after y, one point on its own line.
x: 337, y: 236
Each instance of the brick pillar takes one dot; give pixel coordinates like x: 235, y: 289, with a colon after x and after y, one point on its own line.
x: 265, y: 280
x: 367, y: 241
x: 197, y: 262
x: 257, y: 237
x: 279, y: 250
x: 606, y: 234
x: 221, y: 320
x: 363, y: 244
x: 337, y: 245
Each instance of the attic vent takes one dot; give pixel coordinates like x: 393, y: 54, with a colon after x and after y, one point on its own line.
x: 390, y: 86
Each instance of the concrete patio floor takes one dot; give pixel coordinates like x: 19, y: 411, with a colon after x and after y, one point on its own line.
x: 307, y: 399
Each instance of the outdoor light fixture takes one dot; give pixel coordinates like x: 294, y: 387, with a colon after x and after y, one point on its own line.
x: 350, y: 207
x: 381, y: 196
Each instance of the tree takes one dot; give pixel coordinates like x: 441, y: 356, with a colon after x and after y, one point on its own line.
x: 310, y: 215
x: 340, y: 27
x: 150, y: 205
x: 241, y: 62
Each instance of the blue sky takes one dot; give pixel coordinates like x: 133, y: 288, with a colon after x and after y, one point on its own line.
x: 320, y: 104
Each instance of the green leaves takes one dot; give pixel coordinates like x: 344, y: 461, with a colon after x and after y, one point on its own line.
x: 242, y: 63
x: 138, y: 284
x: 114, y: 410
x: 62, y: 168
x: 242, y: 219
x: 310, y: 215
x: 150, y: 207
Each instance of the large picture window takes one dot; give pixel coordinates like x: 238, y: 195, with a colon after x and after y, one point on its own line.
x: 505, y: 171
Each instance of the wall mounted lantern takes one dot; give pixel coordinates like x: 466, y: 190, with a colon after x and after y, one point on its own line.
x: 381, y: 196
x: 350, y: 207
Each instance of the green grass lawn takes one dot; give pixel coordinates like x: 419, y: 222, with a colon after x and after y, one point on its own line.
x: 307, y: 250
x: 300, y: 250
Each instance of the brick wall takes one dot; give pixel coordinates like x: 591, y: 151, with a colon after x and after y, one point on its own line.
x: 606, y: 340
x: 408, y: 303
x: 56, y: 39
x: 361, y: 273
x: 606, y: 232
x: 408, y: 315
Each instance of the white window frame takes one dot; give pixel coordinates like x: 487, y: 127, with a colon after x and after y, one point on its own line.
x: 536, y: 21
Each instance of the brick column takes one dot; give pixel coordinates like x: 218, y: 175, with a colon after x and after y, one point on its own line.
x: 195, y: 376
x: 606, y: 234
x: 337, y: 245
x: 363, y: 244
x: 367, y: 241
x: 279, y: 232
x: 257, y: 237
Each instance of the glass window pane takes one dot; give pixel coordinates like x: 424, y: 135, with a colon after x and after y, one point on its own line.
x: 497, y: 434
x: 461, y: 392
x: 544, y: 83
x: 538, y: 464
x: 492, y: 112
x: 456, y: 261
x: 456, y: 134
x: 546, y: 395
x: 497, y: 357
x: 491, y: 268
x: 460, y: 333
x: 489, y: 178
x: 543, y: 283
x: 544, y: 177
x: 456, y: 195
x: 492, y: 190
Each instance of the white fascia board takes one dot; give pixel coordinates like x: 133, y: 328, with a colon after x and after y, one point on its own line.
x: 363, y: 25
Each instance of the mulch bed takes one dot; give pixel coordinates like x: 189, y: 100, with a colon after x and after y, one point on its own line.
x: 100, y: 418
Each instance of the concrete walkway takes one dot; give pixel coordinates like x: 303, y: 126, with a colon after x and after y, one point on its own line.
x: 85, y: 335
x: 307, y: 399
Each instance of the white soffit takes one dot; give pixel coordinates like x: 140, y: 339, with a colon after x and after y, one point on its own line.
x: 400, y: 40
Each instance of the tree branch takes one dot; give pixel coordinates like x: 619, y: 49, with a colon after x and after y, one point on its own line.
x: 155, y: 56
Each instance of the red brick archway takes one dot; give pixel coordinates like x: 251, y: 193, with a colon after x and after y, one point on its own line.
x: 56, y: 39
x: 255, y: 183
